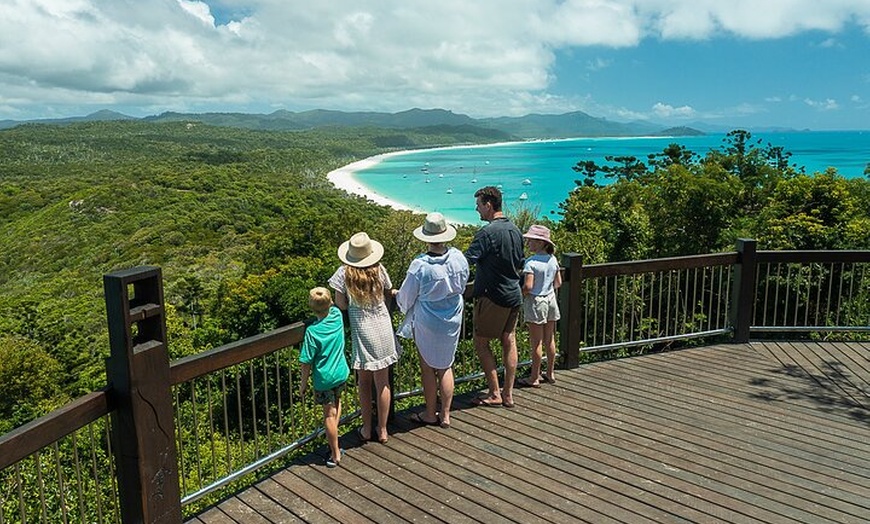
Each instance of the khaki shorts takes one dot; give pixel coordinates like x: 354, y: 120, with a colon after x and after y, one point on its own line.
x: 540, y: 309
x: 491, y: 320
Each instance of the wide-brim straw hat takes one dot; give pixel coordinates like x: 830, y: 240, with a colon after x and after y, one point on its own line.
x: 538, y: 232
x: 435, y: 230
x: 360, y: 251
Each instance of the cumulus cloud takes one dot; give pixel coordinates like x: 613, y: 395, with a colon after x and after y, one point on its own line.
x: 668, y: 111
x: 487, y: 57
x: 200, y: 10
x: 828, y: 104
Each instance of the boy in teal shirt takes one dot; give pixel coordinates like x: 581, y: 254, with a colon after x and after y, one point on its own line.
x: 323, y: 351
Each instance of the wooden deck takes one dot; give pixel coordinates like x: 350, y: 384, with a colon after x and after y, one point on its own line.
x: 761, y: 432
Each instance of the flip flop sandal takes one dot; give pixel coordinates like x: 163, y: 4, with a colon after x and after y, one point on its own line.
x: 419, y: 420
x: 486, y: 402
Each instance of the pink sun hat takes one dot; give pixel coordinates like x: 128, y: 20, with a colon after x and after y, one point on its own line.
x: 538, y: 232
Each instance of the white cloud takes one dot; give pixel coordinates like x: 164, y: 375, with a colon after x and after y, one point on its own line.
x: 668, y: 111
x: 828, y: 104
x: 488, y: 57
x: 199, y: 10
x: 749, y: 18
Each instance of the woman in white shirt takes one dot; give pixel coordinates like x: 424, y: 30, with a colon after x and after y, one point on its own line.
x: 431, y: 299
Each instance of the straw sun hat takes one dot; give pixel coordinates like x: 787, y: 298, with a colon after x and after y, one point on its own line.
x: 538, y: 232
x: 435, y: 230
x: 360, y: 251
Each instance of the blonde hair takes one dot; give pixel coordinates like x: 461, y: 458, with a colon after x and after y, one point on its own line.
x: 365, y: 285
x: 319, y: 300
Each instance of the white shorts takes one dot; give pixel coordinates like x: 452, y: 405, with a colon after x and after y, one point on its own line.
x: 540, y: 309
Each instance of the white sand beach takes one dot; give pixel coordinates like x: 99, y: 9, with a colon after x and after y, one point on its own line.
x: 343, y: 178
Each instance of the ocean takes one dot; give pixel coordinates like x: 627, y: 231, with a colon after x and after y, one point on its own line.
x: 539, y: 174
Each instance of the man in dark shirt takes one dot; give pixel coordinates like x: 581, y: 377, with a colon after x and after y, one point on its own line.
x: 497, y: 251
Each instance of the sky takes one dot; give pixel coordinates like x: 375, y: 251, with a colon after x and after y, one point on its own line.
x: 802, y: 64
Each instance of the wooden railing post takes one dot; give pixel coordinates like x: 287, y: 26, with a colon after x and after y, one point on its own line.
x: 569, y: 307
x: 743, y: 289
x: 143, y: 431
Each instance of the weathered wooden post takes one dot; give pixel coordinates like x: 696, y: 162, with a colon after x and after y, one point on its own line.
x: 143, y: 431
x: 743, y: 289
x: 569, y: 306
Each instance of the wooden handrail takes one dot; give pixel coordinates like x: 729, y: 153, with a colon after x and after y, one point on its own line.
x: 25, y: 440
x: 813, y: 257
x: 234, y: 353
x: 611, y: 269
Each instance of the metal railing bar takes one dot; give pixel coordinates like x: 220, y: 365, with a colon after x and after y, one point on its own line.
x: 671, y: 338
x: 786, y: 329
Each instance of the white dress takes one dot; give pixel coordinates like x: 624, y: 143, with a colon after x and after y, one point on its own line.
x: 373, y: 343
x: 431, y: 298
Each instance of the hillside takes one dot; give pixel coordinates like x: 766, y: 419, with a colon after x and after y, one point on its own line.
x: 533, y: 126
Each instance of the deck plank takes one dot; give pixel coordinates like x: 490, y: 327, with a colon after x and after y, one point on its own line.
x: 770, y: 432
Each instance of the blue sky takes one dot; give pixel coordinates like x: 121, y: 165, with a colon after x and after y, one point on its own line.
x: 741, y: 63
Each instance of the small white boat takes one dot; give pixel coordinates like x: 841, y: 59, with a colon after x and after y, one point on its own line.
x: 427, y: 180
x: 524, y: 196
x: 473, y: 180
x: 527, y: 182
x: 449, y: 190
x: 441, y: 175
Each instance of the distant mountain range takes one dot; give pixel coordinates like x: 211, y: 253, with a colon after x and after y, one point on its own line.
x: 533, y: 126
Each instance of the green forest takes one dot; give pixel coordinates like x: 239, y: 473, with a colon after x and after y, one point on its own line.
x: 244, y: 222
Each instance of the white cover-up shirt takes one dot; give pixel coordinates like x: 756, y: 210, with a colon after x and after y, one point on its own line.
x: 431, y: 298
x: 544, y: 267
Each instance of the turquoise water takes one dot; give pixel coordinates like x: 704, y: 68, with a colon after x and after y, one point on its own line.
x: 539, y: 174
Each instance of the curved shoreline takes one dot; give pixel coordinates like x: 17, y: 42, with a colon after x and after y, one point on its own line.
x: 343, y: 178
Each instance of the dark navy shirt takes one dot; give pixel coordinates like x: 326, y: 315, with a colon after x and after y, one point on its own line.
x: 497, y: 251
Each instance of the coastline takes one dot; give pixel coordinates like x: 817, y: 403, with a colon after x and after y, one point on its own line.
x: 343, y: 178
x: 814, y: 151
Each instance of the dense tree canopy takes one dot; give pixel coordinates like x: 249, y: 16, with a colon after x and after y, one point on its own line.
x: 242, y: 222
x: 681, y: 203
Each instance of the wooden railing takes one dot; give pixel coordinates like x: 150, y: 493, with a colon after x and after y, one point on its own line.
x: 156, y: 407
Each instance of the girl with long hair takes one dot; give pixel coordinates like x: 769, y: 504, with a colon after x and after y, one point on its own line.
x: 361, y: 286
